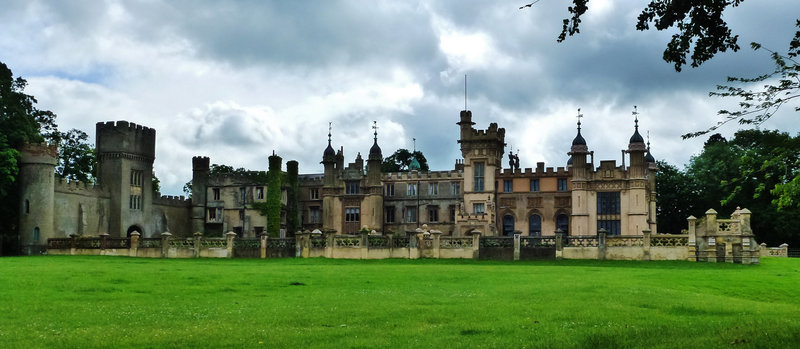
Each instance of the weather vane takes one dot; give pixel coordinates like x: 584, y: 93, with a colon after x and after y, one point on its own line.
x: 579, y: 118
x: 636, y: 116
x: 375, y: 128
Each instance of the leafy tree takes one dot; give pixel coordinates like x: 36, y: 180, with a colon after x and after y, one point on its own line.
x: 677, y: 197
x: 745, y: 172
x: 76, y: 157
x: 717, y: 162
x: 20, y: 122
x: 399, y: 161
x: 156, y: 183
x: 699, y: 24
x: 759, y: 104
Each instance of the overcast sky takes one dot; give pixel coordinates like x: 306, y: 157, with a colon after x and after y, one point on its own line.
x: 236, y: 80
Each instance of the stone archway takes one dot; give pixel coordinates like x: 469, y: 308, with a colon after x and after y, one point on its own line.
x: 135, y: 228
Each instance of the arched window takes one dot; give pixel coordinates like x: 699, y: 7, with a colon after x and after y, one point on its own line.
x: 36, y: 234
x: 535, y: 225
x: 508, y: 224
x: 562, y: 222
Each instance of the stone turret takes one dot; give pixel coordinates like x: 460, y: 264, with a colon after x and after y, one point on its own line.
x: 482, y: 151
x: 329, y: 162
x: 374, y: 161
x: 36, y: 183
x: 200, y: 169
x: 636, y: 149
x: 125, y: 154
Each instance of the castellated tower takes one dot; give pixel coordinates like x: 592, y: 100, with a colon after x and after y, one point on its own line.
x: 125, y: 153
x: 372, y: 206
x: 581, y: 174
x: 200, y: 169
x: 36, y: 184
x: 483, y: 152
x: 638, y: 197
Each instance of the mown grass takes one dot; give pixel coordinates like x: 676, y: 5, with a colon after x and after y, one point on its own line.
x: 70, y: 301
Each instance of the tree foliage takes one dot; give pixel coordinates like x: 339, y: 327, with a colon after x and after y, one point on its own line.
x: 757, y: 104
x: 399, y: 161
x: 20, y: 122
x: 76, y: 156
x: 701, y: 28
x: 674, y: 188
x: 756, y: 170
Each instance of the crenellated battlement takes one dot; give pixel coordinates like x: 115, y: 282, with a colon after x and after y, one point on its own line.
x: 201, y: 163
x: 126, y: 138
x: 38, y: 153
x: 540, y: 171
x: 310, y: 180
x: 64, y: 185
x: 431, y: 175
x: 493, y: 132
x: 171, y: 200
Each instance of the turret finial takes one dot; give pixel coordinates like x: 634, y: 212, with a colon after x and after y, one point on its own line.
x: 375, y: 128
x: 636, y: 117
x: 330, y: 126
x: 579, y: 119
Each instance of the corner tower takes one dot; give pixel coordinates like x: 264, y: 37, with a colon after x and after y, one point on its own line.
x: 483, y: 152
x: 638, y: 197
x: 125, y: 154
x: 36, y: 184
x: 372, y: 206
x: 200, y: 168
x: 581, y: 196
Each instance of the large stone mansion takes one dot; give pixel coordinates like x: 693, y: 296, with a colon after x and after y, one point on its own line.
x: 478, y: 194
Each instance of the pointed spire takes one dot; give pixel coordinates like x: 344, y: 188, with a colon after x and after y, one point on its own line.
x: 375, y: 151
x: 578, y: 138
x: 329, y: 152
x: 636, y: 138
x: 649, y: 157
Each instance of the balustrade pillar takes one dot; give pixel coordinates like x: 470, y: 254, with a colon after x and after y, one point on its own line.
x: 134, y: 250
x: 516, y: 246
x: 264, y: 237
x: 436, y: 242
x: 103, y: 243
x: 646, y: 234
x: 229, y: 240
x: 73, y: 244
x: 197, y: 237
x: 476, y: 244
x: 601, y: 243
x: 692, y: 221
x: 165, y: 237
x: 559, y: 243
x: 329, y: 244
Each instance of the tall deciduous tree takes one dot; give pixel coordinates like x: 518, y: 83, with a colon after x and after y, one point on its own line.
x: 76, y: 157
x: 700, y: 26
x: 401, y: 159
x: 745, y: 172
x: 677, y: 197
x: 20, y: 122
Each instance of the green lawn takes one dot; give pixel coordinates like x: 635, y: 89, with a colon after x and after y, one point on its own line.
x: 64, y: 301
